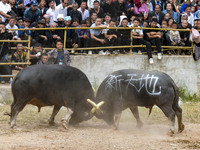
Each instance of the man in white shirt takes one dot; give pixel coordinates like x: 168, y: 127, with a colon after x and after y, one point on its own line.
x: 189, y: 14
x: 4, y: 8
x: 51, y: 11
x: 84, y: 12
x: 90, y: 4
x: 11, y: 25
x: 61, y: 9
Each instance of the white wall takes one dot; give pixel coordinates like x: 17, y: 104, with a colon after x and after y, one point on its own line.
x: 183, y: 69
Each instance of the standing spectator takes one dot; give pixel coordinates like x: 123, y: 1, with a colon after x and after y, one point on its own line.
x: 51, y: 10
x: 124, y: 35
x: 112, y: 37
x: 120, y: 7
x: 174, y: 6
x: 74, y: 13
x: 59, y: 55
x: 11, y: 25
x: 44, y: 59
x: 5, y: 8
x: 33, y: 13
x: 153, y: 4
x: 61, y: 9
x: 84, y: 12
x: 189, y: 14
x: 153, y: 37
x: 97, y: 9
x: 83, y: 35
x: 109, y: 7
x: 197, y: 13
x: 173, y: 14
x: 69, y: 6
x: 42, y: 7
x: 36, y: 53
x: 158, y: 13
x: 183, y: 7
x: 19, y: 56
x: 97, y: 35
x: 137, y: 34
x: 14, y: 8
x: 129, y: 8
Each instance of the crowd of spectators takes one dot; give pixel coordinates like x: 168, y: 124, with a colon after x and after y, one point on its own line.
x: 24, y: 14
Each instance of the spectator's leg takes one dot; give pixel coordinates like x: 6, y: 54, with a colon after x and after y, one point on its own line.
x: 148, y: 48
x: 158, y: 44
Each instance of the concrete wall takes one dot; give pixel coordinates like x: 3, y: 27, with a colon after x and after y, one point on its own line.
x: 183, y: 69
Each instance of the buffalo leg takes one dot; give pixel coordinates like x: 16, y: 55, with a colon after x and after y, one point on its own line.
x: 117, y: 119
x: 178, y: 112
x: 135, y: 112
x: 15, y: 109
x: 170, y: 114
x: 65, y: 121
x: 54, y: 113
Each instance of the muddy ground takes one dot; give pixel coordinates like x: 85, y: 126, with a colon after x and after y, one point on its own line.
x: 33, y: 133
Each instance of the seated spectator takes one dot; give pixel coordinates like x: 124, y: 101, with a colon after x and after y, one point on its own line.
x: 33, y: 13
x: 170, y: 21
x: 84, y: 12
x: 97, y: 9
x: 74, y: 13
x: 195, y: 23
x: 189, y: 14
x: 158, y: 13
x: 97, y: 35
x: 120, y: 7
x: 88, y: 23
x: 183, y: 7
x: 90, y: 4
x: 167, y: 16
x: 5, y: 8
x: 51, y: 10
x: 145, y: 24
x: 130, y: 24
x: 71, y: 39
x: 11, y: 25
x: 109, y: 7
x: 172, y: 13
x: 59, y: 55
x: 124, y: 35
x: 25, y: 33
x: 93, y: 17
x: 19, y: 22
x: 174, y: 5
x: 129, y: 8
x: 44, y: 59
x: 56, y: 34
x: 75, y: 23
x: 42, y: 7
x: 153, y: 37
x: 42, y: 36
x: 4, y: 35
x: 36, y: 53
x: 153, y: 4
x: 112, y: 37
x: 165, y: 35
x: 142, y: 9
x: 107, y: 18
x: 61, y: 9
x: 19, y: 56
x: 83, y: 35
x: 47, y: 20
x: 137, y: 35
x: 60, y: 20
x: 175, y: 36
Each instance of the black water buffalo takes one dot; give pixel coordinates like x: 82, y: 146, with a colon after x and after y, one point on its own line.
x: 53, y: 85
x: 131, y: 88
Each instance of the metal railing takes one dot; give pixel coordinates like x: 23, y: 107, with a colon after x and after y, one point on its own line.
x: 90, y: 48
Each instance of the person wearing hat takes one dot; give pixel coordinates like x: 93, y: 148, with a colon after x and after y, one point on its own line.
x: 42, y: 36
x: 61, y: 9
x: 33, y: 13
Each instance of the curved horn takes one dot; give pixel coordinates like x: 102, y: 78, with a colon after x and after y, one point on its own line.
x: 96, y: 107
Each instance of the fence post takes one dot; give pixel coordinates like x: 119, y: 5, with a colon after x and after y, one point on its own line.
x: 29, y: 47
x: 131, y: 41
x: 65, y: 37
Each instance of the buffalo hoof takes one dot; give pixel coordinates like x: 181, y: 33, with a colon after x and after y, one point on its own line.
x: 64, y: 124
x: 170, y: 133
x: 51, y: 123
x: 181, y: 128
x: 114, y: 127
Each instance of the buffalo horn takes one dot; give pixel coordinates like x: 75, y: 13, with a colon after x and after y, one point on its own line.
x: 96, y: 107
